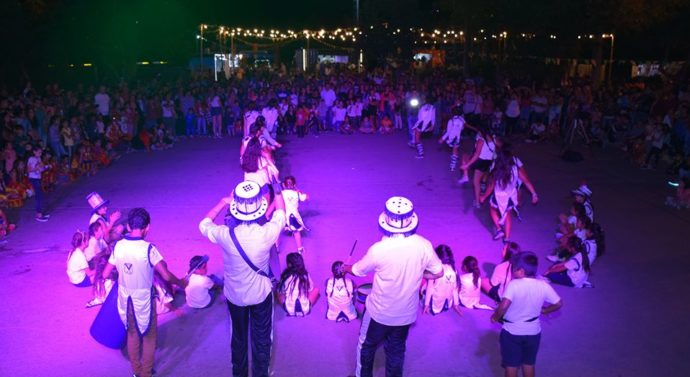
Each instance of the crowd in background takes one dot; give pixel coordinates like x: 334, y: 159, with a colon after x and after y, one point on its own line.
x: 84, y: 128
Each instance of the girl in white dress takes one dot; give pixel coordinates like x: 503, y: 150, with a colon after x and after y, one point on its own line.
x: 442, y: 293
x: 340, y: 293
x: 296, y: 291
x: 293, y: 221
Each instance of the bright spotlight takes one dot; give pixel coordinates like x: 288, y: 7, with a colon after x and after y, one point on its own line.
x: 414, y: 102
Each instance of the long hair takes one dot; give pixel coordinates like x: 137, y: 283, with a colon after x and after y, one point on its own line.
x: 445, y: 254
x: 470, y: 264
x: 336, y: 269
x: 577, y: 246
x: 251, y: 156
x: 597, y: 234
x: 295, y: 268
x: 77, y: 240
x: 511, y: 248
x: 502, y: 172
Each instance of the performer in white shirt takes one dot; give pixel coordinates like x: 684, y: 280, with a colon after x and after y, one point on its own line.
x: 426, y: 119
x: 453, y: 135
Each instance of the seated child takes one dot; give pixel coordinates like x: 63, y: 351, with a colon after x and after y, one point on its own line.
x: 340, y: 292
x: 442, y: 293
x: 536, y: 133
x: 575, y: 271
x: 296, y: 291
x: 471, y: 285
x: 294, y: 223
x: 78, y: 270
x: 201, y: 291
x: 96, y: 243
x: 502, y: 274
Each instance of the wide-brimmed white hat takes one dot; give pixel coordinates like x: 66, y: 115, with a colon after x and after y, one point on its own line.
x: 399, y: 216
x: 583, y: 190
x: 248, y: 203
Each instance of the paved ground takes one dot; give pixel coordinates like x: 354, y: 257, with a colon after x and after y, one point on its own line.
x: 634, y: 323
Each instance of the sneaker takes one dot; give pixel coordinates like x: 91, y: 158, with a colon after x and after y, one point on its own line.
x: 463, y: 180
x: 95, y: 302
x: 42, y: 219
x: 553, y: 258
x: 419, y: 156
x: 499, y: 234
x: 412, y: 144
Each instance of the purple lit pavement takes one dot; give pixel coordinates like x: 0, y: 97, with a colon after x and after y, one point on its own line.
x: 633, y: 323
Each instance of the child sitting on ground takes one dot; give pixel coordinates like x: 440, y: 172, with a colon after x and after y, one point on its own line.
x: 471, y: 285
x: 296, y: 291
x: 78, y: 270
x: 340, y: 292
x: 575, y: 271
x: 101, y: 285
x: 442, y: 293
x: 201, y: 291
x: 294, y: 223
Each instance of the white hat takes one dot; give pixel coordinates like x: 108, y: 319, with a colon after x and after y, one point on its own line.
x: 583, y: 190
x: 399, y: 216
x: 248, y: 203
x: 96, y: 202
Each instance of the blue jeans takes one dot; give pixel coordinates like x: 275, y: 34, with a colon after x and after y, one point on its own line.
x: 260, y: 318
x: 38, y: 194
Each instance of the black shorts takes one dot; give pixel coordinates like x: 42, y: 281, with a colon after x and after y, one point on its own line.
x: 493, y: 293
x: 481, y: 165
x: 517, y: 350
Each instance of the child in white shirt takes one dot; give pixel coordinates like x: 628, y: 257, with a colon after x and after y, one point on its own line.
x: 201, y: 289
x: 471, y: 285
x: 340, y: 292
x: 442, y: 293
x: 296, y: 291
x: 293, y: 221
x: 78, y: 270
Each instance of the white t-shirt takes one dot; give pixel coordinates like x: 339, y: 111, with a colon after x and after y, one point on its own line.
x: 488, y: 151
x: 576, y: 271
x: 135, y: 260
x: 196, y: 291
x: 31, y: 165
x: 469, y: 293
x: 527, y: 296
x: 539, y: 104
x: 292, y: 199
x: 94, y: 247
x: 398, y: 263
x: 76, y: 266
x: 242, y: 285
x: 292, y: 294
x: 340, y: 293
x: 501, y: 277
x: 339, y: 114
x: 513, y: 109
x: 271, y: 116
x: 454, y: 130
x: 102, y: 101
x: 328, y: 96
x: 443, y: 292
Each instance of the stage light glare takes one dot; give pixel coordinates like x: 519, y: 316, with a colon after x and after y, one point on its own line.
x: 414, y: 102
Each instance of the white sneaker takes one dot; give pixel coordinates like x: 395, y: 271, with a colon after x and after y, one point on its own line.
x: 463, y: 180
x: 553, y: 258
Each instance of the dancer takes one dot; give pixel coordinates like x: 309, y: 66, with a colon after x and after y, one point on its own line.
x: 248, y: 281
x: 135, y: 260
x: 442, y: 294
x: 503, y: 184
x: 294, y: 222
x: 426, y: 119
x: 453, y: 135
x: 399, y: 262
x: 296, y: 292
x: 340, y: 293
x: 480, y: 162
x: 250, y: 117
x: 270, y: 114
x: 519, y: 313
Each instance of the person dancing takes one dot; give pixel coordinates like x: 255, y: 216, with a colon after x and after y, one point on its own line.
x: 453, y: 135
x: 507, y: 171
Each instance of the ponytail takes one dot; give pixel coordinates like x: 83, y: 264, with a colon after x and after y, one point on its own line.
x: 470, y: 264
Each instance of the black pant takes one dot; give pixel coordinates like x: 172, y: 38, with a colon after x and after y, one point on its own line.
x: 260, y: 318
x: 38, y: 194
x: 393, y: 338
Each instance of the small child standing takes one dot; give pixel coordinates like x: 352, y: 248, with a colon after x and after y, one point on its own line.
x: 78, y: 270
x: 296, y: 291
x: 340, y: 292
x: 294, y: 222
x: 201, y: 291
x: 442, y: 294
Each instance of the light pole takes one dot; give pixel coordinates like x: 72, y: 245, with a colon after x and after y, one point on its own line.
x: 201, y: 47
x: 613, y: 39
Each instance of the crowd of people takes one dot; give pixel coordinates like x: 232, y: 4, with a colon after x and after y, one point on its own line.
x: 57, y: 135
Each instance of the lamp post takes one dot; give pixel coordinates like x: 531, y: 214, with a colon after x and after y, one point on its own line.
x: 201, y: 47
x: 613, y: 40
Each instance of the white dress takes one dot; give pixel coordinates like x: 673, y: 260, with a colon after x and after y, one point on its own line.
x: 340, y: 293
x: 293, y: 220
x: 469, y: 293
